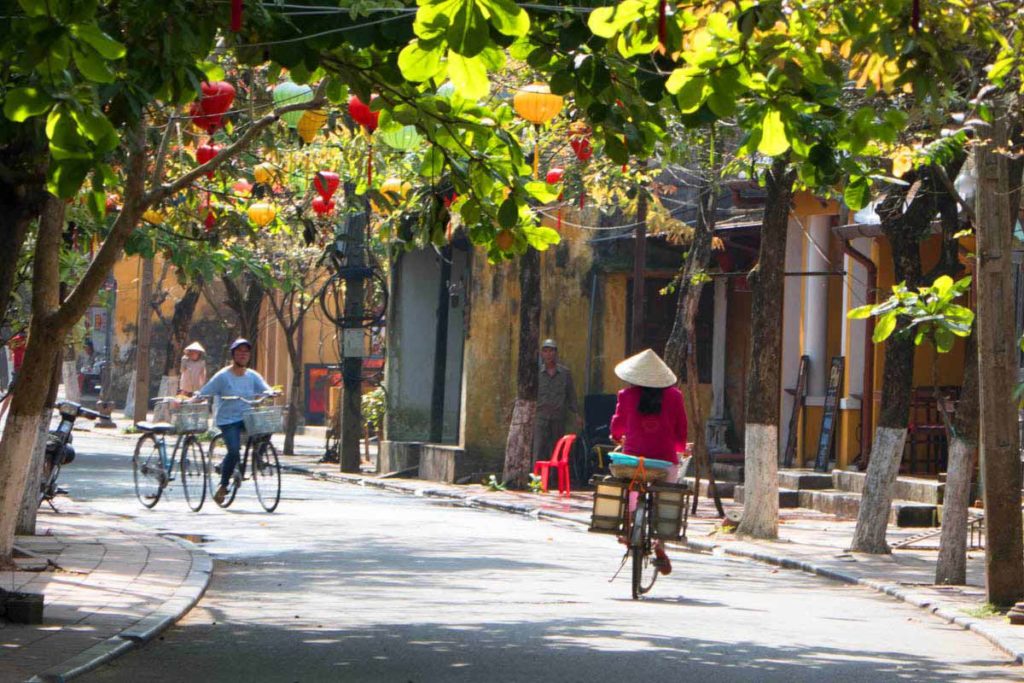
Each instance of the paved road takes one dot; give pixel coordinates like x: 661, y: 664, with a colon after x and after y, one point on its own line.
x: 345, y: 584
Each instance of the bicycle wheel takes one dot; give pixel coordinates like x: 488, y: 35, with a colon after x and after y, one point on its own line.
x: 637, y: 541
x: 266, y: 475
x: 331, y: 447
x: 148, y: 471
x: 193, y: 473
x: 48, y: 484
x: 218, y: 451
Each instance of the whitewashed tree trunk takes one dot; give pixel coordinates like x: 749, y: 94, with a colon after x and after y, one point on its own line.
x: 129, y: 401
x: 876, y: 500
x: 519, y: 448
x: 951, y: 568
x: 69, y: 376
x: 30, y: 501
x: 761, y: 481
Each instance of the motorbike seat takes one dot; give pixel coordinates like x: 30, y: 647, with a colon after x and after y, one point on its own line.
x: 155, y: 427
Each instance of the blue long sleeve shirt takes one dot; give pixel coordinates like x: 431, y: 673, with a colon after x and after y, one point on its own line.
x: 227, y: 383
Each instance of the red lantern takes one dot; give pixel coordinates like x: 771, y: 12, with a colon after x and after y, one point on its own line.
x: 322, y: 206
x: 204, y: 153
x: 326, y: 183
x: 581, y: 146
x: 217, y: 97
x: 555, y: 176
x: 236, y: 16
x: 208, y: 122
x: 210, y: 221
x: 361, y: 114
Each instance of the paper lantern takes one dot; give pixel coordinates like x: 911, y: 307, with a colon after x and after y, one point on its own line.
x: 326, y: 183
x: 264, y: 174
x: 394, y: 189
x: 311, y: 123
x: 242, y: 188
x: 217, y: 97
x: 362, y: 114
x: 322, y: 207
x: 554, y: 176
x: 153, y: 216
x: 536, y: 104
x: 262, y: 213
x: 401, y: 138
x: 207, y: 122
x: 206, y: 153
x: 210, y: 221
x: 287, y: 93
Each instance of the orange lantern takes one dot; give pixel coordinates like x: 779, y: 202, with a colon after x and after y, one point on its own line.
x: 262, y: 213
x: 536, y: 104
x: 153, y: 216
x: 265, y: 174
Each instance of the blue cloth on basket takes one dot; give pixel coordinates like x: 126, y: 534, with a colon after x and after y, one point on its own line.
x: 633, y: 461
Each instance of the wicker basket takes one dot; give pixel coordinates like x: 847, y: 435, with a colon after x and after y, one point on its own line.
x: 652, y: 474
x: 191, y: 418
x: 268, y: 420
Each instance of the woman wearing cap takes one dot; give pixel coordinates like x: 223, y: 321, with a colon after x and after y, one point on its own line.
x: 650, y: 419
x: 193, y: 369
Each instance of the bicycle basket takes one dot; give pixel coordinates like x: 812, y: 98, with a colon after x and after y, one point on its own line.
x: 191, y: 418
x: 264, y: 420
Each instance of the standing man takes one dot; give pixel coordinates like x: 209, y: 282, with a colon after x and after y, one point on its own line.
x: 556, y: 397
x: 236, y: 380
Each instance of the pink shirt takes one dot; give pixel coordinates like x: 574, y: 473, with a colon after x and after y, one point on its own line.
x: 661, y: 436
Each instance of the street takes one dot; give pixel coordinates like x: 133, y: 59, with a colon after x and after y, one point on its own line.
x: 344, y: 583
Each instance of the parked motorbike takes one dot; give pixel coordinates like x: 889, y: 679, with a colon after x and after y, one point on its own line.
x: 59, y: 451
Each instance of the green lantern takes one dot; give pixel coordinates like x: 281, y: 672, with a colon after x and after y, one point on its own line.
x: 402, y: 138
x: 291, y: 93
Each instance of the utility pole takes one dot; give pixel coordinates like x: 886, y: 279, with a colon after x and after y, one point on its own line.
x: 997, y: 366
x: 636, y: 335
x: 142, y: 342
x: 441, y: 349
x: 355, y: 274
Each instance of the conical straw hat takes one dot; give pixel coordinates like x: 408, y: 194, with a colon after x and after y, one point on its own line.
x: 646, y: 369
x: 195, y: 346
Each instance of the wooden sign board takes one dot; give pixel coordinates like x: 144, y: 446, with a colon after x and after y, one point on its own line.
x: 830, y: 414
x: 798, y: 404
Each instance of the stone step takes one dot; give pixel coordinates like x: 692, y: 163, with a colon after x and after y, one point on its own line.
x: 725, y: 488
x: 804, y: 479
x: 727, y: 471
x: 913, y: 489
x: 903, y: 513
x: 788, y: 498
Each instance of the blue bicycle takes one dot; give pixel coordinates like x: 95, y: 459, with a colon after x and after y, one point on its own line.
x: 152, y: 467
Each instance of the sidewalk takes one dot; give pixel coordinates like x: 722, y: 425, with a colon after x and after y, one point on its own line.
x: 809, y: 541
x: 109, y: 586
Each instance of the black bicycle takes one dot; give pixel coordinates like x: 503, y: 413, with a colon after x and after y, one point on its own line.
x: 153, y: 468
x: 265, y: 469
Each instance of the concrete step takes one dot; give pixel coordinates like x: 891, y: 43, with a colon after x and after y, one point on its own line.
x: 788, y: 498
x: 725, y: 488
x: 804, y: 479
x: 914, y: 489
x: 903, y: 513
x: 727, y: 471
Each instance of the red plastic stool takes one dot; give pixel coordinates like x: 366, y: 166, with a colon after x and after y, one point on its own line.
x: 560, y: 461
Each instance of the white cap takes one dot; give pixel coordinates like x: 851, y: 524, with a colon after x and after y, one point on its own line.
x: 646, y: 369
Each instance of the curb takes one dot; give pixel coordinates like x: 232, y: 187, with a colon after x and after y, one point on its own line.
x: 942, y: 611
x: 184, y: 599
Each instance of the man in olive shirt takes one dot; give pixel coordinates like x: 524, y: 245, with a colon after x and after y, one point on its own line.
x: 556, y: 397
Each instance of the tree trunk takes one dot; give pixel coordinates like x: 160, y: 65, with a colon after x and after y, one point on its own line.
x: 951, y: 567
x: 21, y: 200
x: 764, y: 379
x: 352, y: 423
x: 680, y: 349
x: 997, y: 367
x: 181, y: 324
x: 519, y: 447
x: 30, y: 499
x: 294, y: 396
x: 245, y: 299
x: 142, y: 341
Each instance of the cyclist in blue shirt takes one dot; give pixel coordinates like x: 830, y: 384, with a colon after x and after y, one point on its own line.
x: 236, y: 379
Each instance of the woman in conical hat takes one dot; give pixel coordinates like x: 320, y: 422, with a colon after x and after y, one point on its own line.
x: 193, y: 369
x: 650, y: 418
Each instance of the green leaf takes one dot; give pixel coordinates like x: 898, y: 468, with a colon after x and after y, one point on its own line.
x: 508, y: 214
x: 884, y: 327
x: 541, y: 191
x: 605, y: 22
x: 65, y: 177
x: 943, y: 339
x: 34, y: 8
x: 942, y: 285
x: 861, y: 312
x: 92, y: 65
x: 432, y: 164
x: 99, y: 41
x: 615, y: 148
x: 507, y: 17
x: 23, y: 103
x: 541, y: 237
x: 773, y: 134
x: 419, y: 64
x: 97, y: 128
x: 469, y: 75
x: 468, y: 33
x: 856, y: 193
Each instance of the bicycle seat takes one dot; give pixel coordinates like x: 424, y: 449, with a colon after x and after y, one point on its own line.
x: 155, y: 427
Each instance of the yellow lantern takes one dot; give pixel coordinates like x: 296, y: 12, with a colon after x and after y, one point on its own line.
x: 394, y: 190
x: 153, y: 216
x: 536, y: 104
x: 311, y: 123
x: 262, y: 213
x: 264, y: 174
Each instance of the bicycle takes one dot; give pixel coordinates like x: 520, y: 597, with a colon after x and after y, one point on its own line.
x: 260, y: 424
x: 153, y: 470
x: 660, y: 514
